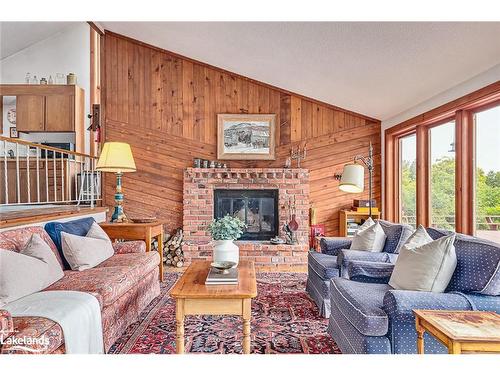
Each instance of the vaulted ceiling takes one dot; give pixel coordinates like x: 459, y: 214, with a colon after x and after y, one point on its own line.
x: 378, y: 69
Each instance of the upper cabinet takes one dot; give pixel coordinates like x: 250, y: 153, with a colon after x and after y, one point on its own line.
x: 49, y: 108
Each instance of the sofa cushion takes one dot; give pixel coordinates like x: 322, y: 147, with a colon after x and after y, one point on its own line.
x: 38, y: 248
x: 324, y: 265
x: 361, y: 304
x: 369, y: 239
x: 140, y: 263
x: 397, y: 234
x: 78, y: 227
x: 107, y: 284
x: 17, y: 239
x: 84, y: 252
x: 478, y: 264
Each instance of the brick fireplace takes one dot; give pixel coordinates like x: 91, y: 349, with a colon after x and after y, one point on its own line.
x: 200, y: 189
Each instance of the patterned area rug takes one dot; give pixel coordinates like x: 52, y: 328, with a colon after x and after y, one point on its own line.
x: 284, y: 320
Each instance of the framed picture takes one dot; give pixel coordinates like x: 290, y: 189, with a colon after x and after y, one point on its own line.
x: 246, y: 137
x: 13, y: 132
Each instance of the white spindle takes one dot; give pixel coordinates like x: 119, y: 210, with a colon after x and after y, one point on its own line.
x: 55, y: 175
x: 18, y: 185
x: 37, y: 176
x: 5, y: 169
x: 91, y: 182
x: 28, y: 172
x: 62, y: 176
x: 46, y: 176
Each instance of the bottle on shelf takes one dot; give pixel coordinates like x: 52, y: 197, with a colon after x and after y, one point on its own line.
x: 51, y: 81
x: 34, y: 80
x: 27, y: 79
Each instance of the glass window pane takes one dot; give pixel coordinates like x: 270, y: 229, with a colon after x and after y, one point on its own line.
x: 408, y: 180
x: 442, y: 176
x: 487, y: 175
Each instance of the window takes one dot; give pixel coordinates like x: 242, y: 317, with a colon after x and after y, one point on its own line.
x: 487, y: 174
x: 408, y: 179
x: 442, y: 176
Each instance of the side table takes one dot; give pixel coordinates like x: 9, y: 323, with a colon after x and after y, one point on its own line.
x: 138, y: 231
x: 460, y: 331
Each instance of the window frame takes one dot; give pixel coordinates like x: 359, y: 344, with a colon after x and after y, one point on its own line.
x: 461, y: 111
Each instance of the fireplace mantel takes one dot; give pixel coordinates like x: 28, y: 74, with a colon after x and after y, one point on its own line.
x: 199, y: 186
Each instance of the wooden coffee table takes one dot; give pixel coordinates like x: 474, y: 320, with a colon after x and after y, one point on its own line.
x: 193, y: 297
x: 460, y: 331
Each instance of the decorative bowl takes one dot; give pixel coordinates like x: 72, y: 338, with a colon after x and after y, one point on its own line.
x: 223, y: 267
x: 143, y: 219
x: 277, y: 241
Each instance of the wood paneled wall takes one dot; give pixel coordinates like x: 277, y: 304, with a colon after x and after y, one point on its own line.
x: 166, y: 107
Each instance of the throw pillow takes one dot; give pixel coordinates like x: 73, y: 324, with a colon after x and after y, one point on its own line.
x: 96, y: 231
x: 86, y: 252
x: 21, y: 275
x: 428, y: 267
x: 418, y: 238
x: 38, y: 248
x: 371, y: 238
x: 78, y: 227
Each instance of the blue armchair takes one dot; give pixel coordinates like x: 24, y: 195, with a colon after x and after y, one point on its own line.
x: 335, y: 257
x: 375, y: 318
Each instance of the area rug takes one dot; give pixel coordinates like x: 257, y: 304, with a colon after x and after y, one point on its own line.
x: 284, y: 320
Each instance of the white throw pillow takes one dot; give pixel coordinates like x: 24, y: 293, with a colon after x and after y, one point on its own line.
x: 369, y: 238
x: 367, y: 224
x: 418, y: 238
x: 96, y: 231
x: 86, y: 252
x: 38, y: 248
x: 20, y: 276
x: 428, y: 267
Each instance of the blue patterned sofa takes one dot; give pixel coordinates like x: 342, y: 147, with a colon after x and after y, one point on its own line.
x: 374, y: 318
x: 335, y: 260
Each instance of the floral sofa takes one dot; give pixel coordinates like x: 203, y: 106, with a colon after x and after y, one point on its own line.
x: 375, y: 318
x: 123, y: 284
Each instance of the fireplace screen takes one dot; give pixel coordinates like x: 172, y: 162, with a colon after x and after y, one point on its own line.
x: 258, y: 209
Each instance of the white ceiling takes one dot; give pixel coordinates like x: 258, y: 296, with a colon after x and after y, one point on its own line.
x: 16, y: 36
x: 378, y: 69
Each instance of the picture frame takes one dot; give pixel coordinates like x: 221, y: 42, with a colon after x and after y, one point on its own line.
x: 13, y: 132
x: 246, y: 136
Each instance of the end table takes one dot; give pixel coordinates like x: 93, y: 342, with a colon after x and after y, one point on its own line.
x: 460, y: 331
x: 138, y: 231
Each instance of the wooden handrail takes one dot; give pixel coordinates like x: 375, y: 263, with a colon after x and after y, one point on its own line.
x: 37, y: 145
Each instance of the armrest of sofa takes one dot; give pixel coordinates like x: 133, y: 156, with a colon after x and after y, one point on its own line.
x: 332, y: 245
x: 399, y: 304
x: 128, y: 247
x: 347, y: 255
x: 6, y: 324
x: 378, y: 272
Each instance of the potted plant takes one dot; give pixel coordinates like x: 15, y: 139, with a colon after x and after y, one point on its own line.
x: 224, y: 231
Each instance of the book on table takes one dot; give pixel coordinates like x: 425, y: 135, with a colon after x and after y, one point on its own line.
x: 216, y: 277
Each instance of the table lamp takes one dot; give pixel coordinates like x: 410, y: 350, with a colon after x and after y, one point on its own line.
x: 352, y: 179
x: 117, y: 157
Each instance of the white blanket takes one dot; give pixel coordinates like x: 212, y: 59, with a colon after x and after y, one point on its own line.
x: 78, y: 314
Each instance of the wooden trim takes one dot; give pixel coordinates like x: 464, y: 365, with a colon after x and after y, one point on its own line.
x: 96, y: 28
x: 95, y: 80
x: 461, y: 111
x: 43, y: 217
x: 37, y: 145
x: 240, y: 76
x: 22, y: 89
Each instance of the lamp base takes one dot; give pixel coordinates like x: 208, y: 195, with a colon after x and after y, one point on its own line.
x: 118, y: 214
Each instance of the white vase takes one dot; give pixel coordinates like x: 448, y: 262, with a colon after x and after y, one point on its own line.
x: 226, y: 250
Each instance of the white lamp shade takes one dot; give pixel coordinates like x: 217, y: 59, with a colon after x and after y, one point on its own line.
x: 353, y: 178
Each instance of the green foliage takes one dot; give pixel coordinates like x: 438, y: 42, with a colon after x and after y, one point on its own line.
x: 226, y: 228
x: 443, y: 193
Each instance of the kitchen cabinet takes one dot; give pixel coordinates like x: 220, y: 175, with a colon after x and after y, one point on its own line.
x: 49, y: 108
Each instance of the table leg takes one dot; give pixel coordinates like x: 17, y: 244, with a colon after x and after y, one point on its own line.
x: 454, y: 348
x: 148, y: 240
x: 247, y: 315
x: 179, y: 317
x: 420, y: 337
x: 160, y: 250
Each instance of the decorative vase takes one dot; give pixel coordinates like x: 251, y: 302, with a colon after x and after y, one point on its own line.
x: 226, y: 250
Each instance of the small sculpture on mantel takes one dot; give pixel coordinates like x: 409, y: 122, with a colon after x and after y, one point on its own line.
x: 288, y: 163
x: 298, y: 154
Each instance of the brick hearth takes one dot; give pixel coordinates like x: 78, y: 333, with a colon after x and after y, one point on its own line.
x: 199, y: 185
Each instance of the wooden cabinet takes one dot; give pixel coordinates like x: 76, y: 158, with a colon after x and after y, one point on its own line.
x: 59, y: 115
x: 30, y: 113
x: 49, y: 108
